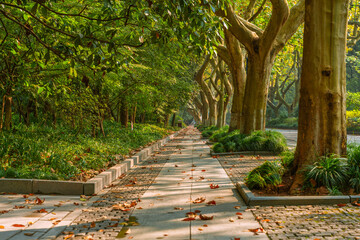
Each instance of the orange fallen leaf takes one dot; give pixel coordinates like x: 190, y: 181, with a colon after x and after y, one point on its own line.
x: 355, y: 203
x: 342, y: 204
x: 211, y: 203
x: 4, y: 211
x: 204, y: 217
x: 191, y: 215
x: 200, y: 229
x: 39, y: 201
x: 2, y: 227
x: 183, y: 172
x: 18, y: 207
x: 203, y: 170
x: 205, y: 225
x: 192, y: 169
x: 236, y: 238
x: 238, y: 213
x: 93, y: 224
x: 199, y: 200
x: 213, y: 186
x: 140, y: 208
x: 266, y: 220
x: 178, y: 208
x: 68, y: 236
x: 18, y: 225
x: 41, y: 211
x: 188, y: 219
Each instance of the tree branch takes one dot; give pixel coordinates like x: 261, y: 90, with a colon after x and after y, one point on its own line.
x: 280, y: 13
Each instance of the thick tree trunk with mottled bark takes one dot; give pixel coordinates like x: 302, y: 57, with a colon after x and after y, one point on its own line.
x: 254, y: 109
x: 322, y: 109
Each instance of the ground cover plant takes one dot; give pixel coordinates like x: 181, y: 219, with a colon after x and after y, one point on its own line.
x: 257, y: 141
x: 43, y: 152
x: 329, y: 175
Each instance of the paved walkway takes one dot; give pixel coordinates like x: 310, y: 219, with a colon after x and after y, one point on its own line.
x: 158, y: 198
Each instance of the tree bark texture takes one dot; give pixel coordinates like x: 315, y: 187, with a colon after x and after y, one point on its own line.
x: 8, y: 112
x: 322, y: 127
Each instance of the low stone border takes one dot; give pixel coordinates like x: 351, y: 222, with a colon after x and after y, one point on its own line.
x: 252, y: 200
x: 261, y: 153
x: 92, y: 186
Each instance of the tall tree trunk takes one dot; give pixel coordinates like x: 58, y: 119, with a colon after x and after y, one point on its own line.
x: 322, y: 127
x: 124, y: 114
x: 8, y: 112
x: 133, y: 116
x: 142, y: 118
x: 238, y: 73
x: 166, y: 119
x: 254, y: 109
x: 204, y: 110
x: 173, y: 121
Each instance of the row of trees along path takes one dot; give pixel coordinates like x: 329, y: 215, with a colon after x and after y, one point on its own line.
x: 139, y: 60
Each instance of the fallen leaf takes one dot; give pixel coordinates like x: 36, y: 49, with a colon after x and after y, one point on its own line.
x: 140, y: 208
x: 191, y: 214
x: 4, y: 211
x: 29, y: 234
x: 68, y: 236
x: 76, y: 204
x: 211, y: 203
x: 199, y: 200
x: 18, y: 225
x: 93, y: 224
x: 204, y: 217
x: 342, y: 204
x: 355, y: 203
x: 38, y: 201
x: 197, y: 211
x: 178, y: 208
x: 200, y: 229
x: 213, y: 186
x: 266, y: 220
x: 238, y: 213
x: 52, y: 219
x: 25, y: 196
x: 231, y: 220
x: 203, y: 170
x: 2, y: 227
x: 41, y: 211
x: 205, y: 225
x: 258, y: 218
x: 176, y: 165
x: 236, y: 238
x: 18, y: 207
x: 237, y: 207
x: 188, y: 219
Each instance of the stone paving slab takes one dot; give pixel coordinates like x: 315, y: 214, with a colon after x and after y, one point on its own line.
x: 187, y: 176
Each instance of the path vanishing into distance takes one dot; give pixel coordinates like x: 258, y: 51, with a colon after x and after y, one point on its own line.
x: 179, y: 192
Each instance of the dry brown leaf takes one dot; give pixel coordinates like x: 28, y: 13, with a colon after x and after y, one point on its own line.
x: 204, y: 217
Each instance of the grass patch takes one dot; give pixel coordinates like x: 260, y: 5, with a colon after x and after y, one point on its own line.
x: 42, y: 152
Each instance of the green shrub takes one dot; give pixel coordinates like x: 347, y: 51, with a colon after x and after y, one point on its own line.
x: 354, y: 167
x: 43, y: 152
x: 230, y: 146
x: 263, y: 141
x: 218, y: 148
x: 218, y: 134
x: 334, y: 191
x: 267, y: 175
x: 287, y: 159
x: 207, y: 132
x: 329, y: 171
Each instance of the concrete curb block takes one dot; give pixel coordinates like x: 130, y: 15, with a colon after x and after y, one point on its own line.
x: 92, y: 186
x: 251, y: 200
x: 248, y: 153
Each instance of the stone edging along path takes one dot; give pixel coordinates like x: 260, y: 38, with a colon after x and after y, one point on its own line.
x: 251, y: 200
x: 92, y: 186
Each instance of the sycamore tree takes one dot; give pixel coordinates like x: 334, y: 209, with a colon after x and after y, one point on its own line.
x: 322, y: 107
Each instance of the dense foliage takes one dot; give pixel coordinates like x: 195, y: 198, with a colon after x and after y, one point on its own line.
x: 63, y: 153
